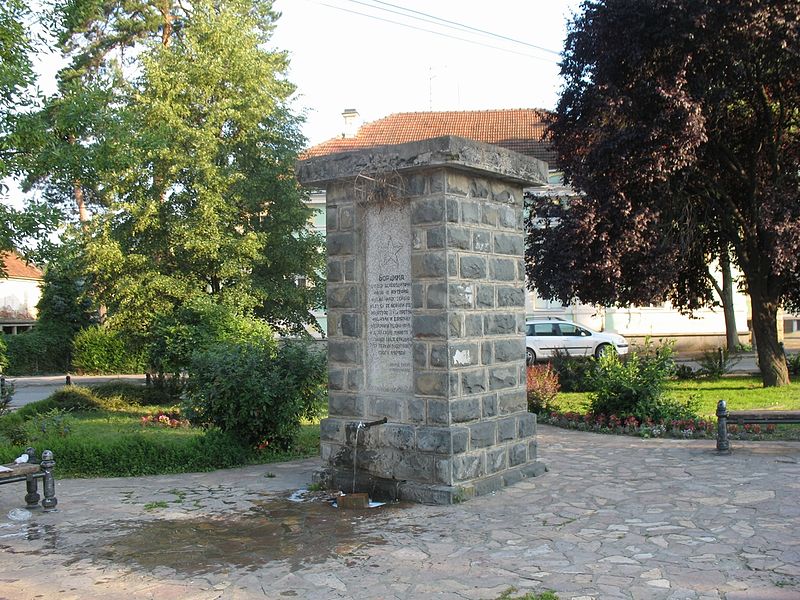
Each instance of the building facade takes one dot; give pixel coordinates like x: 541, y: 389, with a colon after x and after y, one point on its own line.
x: 20, y: 291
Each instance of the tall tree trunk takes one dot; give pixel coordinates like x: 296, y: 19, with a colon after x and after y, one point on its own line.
x: 80, y: 201
x: 725, y: 293
x: 771, y: 360
x: 731, y: 334
x: 166, y: 26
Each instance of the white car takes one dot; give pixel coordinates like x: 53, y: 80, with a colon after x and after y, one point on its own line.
x: 544, y: 338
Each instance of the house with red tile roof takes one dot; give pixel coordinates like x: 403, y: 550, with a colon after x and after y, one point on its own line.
x: 522, y: 130
x: 20, y: 291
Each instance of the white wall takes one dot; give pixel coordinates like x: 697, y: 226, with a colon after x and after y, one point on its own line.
x: 18, y: 299
x: 706, y: 325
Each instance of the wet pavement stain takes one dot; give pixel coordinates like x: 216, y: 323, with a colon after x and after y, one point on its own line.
x: 297, y: 533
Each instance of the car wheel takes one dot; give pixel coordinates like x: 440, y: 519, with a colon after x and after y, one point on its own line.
x: 603, y: 349
x: 530, y: 356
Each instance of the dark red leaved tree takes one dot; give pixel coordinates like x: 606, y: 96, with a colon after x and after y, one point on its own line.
x: 679, y: 125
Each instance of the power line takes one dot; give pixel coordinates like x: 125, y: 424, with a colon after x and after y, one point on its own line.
x: 461, y: 26
x: 439, y: 33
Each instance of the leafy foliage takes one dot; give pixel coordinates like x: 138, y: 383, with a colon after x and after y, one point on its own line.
x: 6, y: 394
x: 131, y: 393
x: 3, y: 354
x: 172, y: 137
x: 633, y: 387
x: 196, y: 327
x: 209, y: 206
x: 542, y: 387
x: 574, y: 372
x: 98, y: 349
x: 37, y: 352
x: 716, y: 363
x: 67, y: 398
x: 16, y: 73
x: 13, y: 430
x: 793, y: 363
x: 684, y: 373
x: 679, y: 123
x: 255, y: 393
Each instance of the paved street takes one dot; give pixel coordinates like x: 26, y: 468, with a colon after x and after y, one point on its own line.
x: 31, y: 389
x: 615, y: 517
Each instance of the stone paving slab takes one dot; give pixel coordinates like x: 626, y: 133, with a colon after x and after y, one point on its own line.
x: 616, y: 517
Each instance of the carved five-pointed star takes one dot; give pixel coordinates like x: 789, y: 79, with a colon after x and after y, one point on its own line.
x: 390, y: 252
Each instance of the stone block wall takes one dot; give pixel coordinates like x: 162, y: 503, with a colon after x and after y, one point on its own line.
x: 451, y: 385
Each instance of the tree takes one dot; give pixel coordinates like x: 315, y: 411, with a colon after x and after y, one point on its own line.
x: 16, y: 72
x: 77, y: 137
x: 209, y: 206
x: 679, y: 124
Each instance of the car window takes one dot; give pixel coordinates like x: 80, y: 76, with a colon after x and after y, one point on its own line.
x: 569, y: 329
x: 545, y: 329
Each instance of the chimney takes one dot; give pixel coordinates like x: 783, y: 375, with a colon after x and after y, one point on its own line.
x: 350, y: 116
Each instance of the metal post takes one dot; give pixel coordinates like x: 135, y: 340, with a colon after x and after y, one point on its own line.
x: 32, y: 497
x: 723, y: 444
x: 50, y: 501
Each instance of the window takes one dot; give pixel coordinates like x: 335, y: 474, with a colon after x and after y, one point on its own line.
x: 545, y: 329
x: 570, y: 330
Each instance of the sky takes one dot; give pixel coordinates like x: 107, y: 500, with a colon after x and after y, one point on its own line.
x: 362, y: 54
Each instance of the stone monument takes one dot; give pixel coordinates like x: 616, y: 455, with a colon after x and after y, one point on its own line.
x: 425, y: 288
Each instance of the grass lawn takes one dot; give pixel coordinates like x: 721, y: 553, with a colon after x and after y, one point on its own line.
x: 110, y: 440
x: 739, y: 392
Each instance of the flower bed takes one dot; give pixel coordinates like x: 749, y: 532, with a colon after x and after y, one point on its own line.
x: 629, y: 425
x: 172, y: 420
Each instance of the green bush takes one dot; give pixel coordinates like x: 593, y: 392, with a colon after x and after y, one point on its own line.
x: 630, y: 387
x: 6, y: 394
x: 54, y: 422
x: 684, y: 373
x: 196, y: 327
x: 716, y: 363
x: 255, y: 392
x: 38, y: 351
x: 542, y: 388
x: 13, y: 430
x: 574, y: 372
x: 133, y: 393
x: 793, y: 364
x: 3, y: 354
x: 98, y: 349
x: 665, y: 410
x: 67, y: 398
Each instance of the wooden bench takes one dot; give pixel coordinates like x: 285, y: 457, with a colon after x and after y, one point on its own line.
x: 749, y: 417
x: 30, y: 472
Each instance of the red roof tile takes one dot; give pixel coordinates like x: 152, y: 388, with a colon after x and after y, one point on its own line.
x: 520, y: 129
x: 15, y: 266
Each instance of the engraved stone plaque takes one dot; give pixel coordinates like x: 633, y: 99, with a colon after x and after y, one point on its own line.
x: 388, y: 281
